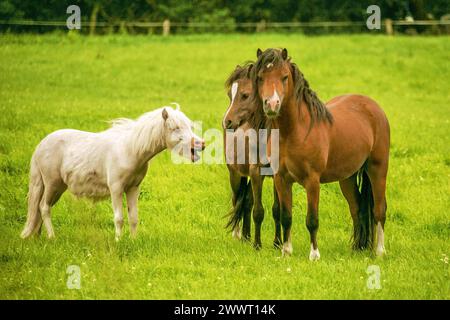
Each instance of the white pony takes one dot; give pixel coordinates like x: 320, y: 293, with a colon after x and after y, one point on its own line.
x: 108, y: 163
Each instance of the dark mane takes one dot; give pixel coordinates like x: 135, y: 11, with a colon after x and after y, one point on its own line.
x: 316, y: 108
x: 241, y: 71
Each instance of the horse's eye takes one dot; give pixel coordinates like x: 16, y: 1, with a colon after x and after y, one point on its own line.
x: 285, y: 78
x: 244, y: 96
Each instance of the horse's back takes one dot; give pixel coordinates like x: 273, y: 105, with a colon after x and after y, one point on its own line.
x: 63, y: 149
x: 56, y: 143
x: 356, y: 103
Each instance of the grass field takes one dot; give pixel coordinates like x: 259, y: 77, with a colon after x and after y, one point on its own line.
x: 182, y: 250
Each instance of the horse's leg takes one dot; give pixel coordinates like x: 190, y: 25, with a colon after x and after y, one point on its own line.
x: 132, y: 201
x: 247, y: 219
x: 312, y: 187
x: 349, y: 189
x: 284, y: 191
x: 52, y: 193
x: 258, y: 209
x: 235, y: 181
x: 377, y: 172
x: 116, y: 199
x: 276, y: 218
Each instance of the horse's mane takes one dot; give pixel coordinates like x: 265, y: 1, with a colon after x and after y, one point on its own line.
x: 240, y: 72
x: 147, y: 132
x: 316, y: 108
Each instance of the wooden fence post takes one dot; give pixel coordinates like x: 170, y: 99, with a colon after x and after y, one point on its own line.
x: 261, y: 26
x: 166, y: 27
x: 93, y: 20
x: 389, y: 28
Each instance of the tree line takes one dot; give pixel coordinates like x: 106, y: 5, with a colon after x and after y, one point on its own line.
x: 227, y: 13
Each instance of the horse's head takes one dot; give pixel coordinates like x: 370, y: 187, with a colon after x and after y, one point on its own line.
x: 272, y: 80
x: 240, y: 90
x: 179, y: 134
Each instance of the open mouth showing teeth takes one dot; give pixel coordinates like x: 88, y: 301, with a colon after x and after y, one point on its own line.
x: 194, y: 154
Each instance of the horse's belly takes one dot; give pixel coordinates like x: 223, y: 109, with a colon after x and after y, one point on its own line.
x: 88, y: 186
x: 344, y: 166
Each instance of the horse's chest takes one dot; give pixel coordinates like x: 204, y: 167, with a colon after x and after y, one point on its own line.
x: 135, y: 178
x: 299, y: 163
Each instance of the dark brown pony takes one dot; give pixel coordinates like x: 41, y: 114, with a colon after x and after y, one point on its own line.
x: 246, y: 194
x: 346, y: 140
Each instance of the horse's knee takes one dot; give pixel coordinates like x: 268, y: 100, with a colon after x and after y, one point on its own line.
x: 133, y: 223
x: 118, y: 221
x: 258, y: 215
x: 312, y: 222
x: 44, y: 208
x: 276, y: 212
x: 286, y: 218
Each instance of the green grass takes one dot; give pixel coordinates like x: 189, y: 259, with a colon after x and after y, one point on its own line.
x: 182, y: 250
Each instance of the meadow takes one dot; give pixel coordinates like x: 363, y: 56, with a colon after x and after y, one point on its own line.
x: 182, y: 250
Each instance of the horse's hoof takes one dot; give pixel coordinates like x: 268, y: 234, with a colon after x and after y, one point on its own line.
x: 237, y: 234
x: 287, y: 249
x: 314, y: 255
x: 257, y: 246
x: 381, y: 251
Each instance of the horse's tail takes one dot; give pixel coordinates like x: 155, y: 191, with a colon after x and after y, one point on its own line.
x: 242, y: 204
x: 35, y: 192
x: 363, y: 230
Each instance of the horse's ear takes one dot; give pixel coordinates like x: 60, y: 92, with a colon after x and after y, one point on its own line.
x: 249, y: 70
x: 284, y: 54
x: 258, y: 52
x: 165, y: 114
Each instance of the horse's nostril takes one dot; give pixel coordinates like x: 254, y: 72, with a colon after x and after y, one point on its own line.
x: 229, y: 124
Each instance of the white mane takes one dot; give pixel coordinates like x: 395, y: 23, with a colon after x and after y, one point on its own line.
x: 147, y: 133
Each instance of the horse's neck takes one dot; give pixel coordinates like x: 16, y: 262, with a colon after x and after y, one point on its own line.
x: 147, y: 156
x: 294, y: 118
x: 143, y: 150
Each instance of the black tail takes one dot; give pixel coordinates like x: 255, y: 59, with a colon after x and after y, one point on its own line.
x: 243, y: 200
x: 363, y: 230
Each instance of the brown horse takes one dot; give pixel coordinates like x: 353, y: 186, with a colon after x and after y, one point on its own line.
x: 347, y: 141
x: 246, y: 194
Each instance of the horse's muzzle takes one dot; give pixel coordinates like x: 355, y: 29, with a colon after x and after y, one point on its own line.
x: 272, y: 107
x: 196, y: 146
